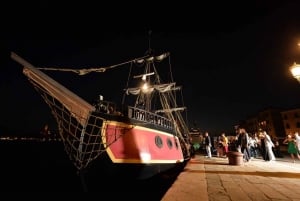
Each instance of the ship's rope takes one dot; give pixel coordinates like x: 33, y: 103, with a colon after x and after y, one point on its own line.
x: 85, y: 71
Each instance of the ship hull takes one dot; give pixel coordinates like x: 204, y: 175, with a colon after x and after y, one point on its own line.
x: 126, y: 148
x: 103, y: 170
x: 145, y: 150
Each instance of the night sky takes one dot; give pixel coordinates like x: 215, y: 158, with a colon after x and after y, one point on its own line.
x: 231, y: 59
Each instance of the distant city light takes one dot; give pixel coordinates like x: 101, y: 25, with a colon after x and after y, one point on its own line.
x: 29, y: 139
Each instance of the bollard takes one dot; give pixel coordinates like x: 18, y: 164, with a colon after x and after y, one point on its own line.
x: 235, y: 158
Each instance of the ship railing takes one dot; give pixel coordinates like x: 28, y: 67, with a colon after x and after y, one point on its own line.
x: 149, y: 117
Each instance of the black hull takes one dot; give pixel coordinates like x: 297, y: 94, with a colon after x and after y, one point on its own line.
x: 129, y: 171
x: 103, y: 169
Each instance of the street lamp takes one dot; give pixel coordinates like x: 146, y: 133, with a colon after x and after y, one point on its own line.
x: 295, y: 70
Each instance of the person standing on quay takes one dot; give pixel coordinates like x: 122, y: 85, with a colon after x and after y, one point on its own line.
x: 207, y: 142
x: 263, y: 150
x: 243, y: 143
x: 292, y: 148
x: 269, y: 145
x: 219, y: 145
x: 276, y: 149
x: 225, y: 144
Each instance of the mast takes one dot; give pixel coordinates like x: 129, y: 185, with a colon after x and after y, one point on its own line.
x: 149, y: 51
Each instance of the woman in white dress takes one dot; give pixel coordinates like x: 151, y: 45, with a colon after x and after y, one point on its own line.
x: 269, y: 145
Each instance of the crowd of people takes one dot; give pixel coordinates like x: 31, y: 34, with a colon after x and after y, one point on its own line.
x: 256, y: 145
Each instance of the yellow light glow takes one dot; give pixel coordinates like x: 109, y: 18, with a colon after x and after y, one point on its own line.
x: 145, y: 88
x: 295, y: 70
x: 145, y: 157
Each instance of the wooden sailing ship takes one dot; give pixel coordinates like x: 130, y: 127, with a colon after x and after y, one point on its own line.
x: 143, y: 135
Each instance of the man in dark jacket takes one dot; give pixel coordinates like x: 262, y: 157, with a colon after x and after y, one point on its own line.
x: 243, y: 143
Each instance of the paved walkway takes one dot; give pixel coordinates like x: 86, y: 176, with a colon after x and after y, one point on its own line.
x: 214, y: 179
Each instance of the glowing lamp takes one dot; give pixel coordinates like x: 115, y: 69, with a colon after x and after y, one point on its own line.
x: 145, y: 88
x: 295, y: 70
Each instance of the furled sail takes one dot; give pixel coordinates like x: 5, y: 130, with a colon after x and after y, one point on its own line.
x: 160, y: 88
x: 171, y: 110
x: 152, y: 58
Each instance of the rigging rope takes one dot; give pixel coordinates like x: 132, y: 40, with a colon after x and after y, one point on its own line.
x: 85, y: 71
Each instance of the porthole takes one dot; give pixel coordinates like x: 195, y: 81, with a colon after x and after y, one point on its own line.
x: 169, y: 143
x: 158, y: 141
x: 176, y: 143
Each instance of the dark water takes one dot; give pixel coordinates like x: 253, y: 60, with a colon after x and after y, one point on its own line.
x: 43, y: 171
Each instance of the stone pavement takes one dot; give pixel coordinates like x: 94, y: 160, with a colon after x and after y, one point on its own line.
x: 214, y: 179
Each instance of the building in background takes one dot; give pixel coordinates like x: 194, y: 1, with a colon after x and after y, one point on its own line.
x: 269, y: 120
x: 291, y: 120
